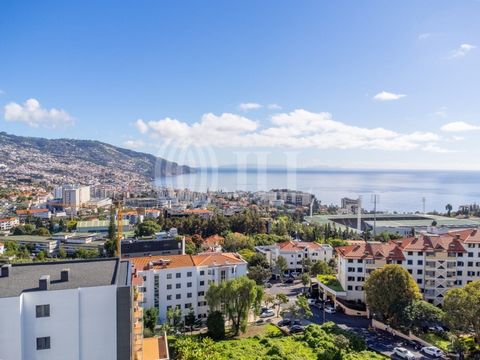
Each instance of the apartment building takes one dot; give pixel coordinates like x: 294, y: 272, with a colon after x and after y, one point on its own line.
x: 66, y: 310
x: 296, y: 252
x: 35, y: 243
x: 436, y: 262
x: 183, y: 280
x: 75, y: 195
x: 35, y: 213
x: 8, y: 223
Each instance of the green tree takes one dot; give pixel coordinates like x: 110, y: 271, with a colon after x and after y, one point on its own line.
x: 304, y: 310
x: 258, y: 259
x: 306, y: 280
x: 216, y: 325
x: 150, y: 318
x: 421, y: 312
x: 462, y: 309
x: 280, y: 299
x: 320, y: 268
x: 389, y: 291
x: 190, y: 319
x: 40, y: 256
x: 237, y: 297
x: 174, y: 318
x: 259, y: 274
x: 449, y: 209
x: 281, y: 266
x: 42, y: 231
x: 235, y: 241
x: 147, y: 228
x: 62, y: 254
x: 188, y: 348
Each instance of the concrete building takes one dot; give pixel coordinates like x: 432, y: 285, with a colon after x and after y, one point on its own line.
x: 100, y: 226
x: 72, y: 310
x: 75, y: 196
x: 8, y: 223
x: 35, y: 243
x: 35, y: 213
x: 296, y: 252
x: 436, y: 262
x: 183, y: 280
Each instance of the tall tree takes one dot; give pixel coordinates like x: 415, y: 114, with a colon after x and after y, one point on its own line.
x: 237, y: 297
x: 422, y: 312
x: 462, y: 308
x: 449, y: 209
x: 190, y: 319
x: 389, y: 291
x: 111, y: 244
x: 150, y: 317
x: 280, y: 299
x: 305, y: 278
x: 282, y: 266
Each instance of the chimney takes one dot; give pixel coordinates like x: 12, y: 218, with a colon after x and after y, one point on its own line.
x: 44, y: 282
x: 65, y: 275
x: 6, y: 270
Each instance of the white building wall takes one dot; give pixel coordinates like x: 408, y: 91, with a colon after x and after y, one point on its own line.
x: 10, y: 328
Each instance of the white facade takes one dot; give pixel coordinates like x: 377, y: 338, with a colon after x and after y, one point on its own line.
x: 183, y: 280
x: 75, y: 196
x: 9, y: 223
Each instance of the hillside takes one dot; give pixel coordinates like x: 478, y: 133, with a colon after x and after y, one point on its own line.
x: 61, y: 161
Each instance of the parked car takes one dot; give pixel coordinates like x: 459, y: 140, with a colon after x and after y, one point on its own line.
x: 289, y: 281
x: 284, y: 322
x: 330, y: 310
x: 414, y: 344
x: 294, y: 274
x: 267, y: 313
x: 311, y: 301
x: 296, y: 329
x: 260, y: 321
x: 436, y: 328
x: 403, y: 353
x: 432, y: 351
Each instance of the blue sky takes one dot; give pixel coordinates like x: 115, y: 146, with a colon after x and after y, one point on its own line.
x: 357, y: 84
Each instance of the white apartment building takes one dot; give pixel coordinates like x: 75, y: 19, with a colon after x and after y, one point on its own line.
x: 296, y: 252
x: 72, y: 310
x: 183, y: 280
x: 75, y: 195
x: 436, y: 262
x: 8, y: 223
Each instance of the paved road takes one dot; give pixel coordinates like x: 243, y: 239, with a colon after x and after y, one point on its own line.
x: 379, y: 341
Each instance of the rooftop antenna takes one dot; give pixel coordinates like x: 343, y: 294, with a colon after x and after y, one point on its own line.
x: 375, y: 200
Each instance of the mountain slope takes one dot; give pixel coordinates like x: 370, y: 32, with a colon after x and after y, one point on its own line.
x: 80, y: 161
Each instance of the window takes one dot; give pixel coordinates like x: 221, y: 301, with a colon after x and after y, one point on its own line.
x: 419, y: 281
x: 419, y: 271
x: 189, y: 295
x: 169, y: 276
x: 420, y: 262
x: 178, y: 296
x: 359, y: 269
x: 169, y: 297
x: 470, y: 254
x: 349, y: 287
x: 188, y: 305
x: 202, y: 272
x: 350, y: 269
x: 470, y: 263
x: 350, y: 260
x: 202, y: 283
x: 201, y: 293
x: 169, y: 286
x: 410, y: 253
x: 169, y: 307
x: 42, y: 311
x: 409, y: 271
x: 459, y: 273
x: 399, y: 262
x: 460, y: 263
x: 43, y: 343
x: 178, y: 286
x: 178, y: 275
x: 189, y: 274
x: 409, y: 262
x: 189, y: 284
x: 359, y: 261
x: 420, y: 253
x: 351, y: 278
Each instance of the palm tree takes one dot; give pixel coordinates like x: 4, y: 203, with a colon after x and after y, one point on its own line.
x: 449, y: 208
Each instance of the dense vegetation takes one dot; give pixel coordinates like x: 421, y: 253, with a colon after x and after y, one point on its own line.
x: 318, y: 342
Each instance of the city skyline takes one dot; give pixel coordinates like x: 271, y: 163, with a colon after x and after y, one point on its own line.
x: 370, y: 85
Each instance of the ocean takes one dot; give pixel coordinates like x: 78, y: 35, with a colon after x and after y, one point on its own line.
x: 398, y: 190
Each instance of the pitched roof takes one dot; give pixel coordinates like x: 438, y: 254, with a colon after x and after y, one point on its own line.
x: 213, y: 241
x: 214, y: 259
x: 298, y: 245
x: 372, y: 250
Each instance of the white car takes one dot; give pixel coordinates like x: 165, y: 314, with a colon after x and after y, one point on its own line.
x: 433, y: 351
x: 403, y: 353
x: 267, y: 313
x: 311, y: 301
x: 330, y: 310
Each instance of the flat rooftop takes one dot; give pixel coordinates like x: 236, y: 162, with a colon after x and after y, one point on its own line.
x: 83, y: 273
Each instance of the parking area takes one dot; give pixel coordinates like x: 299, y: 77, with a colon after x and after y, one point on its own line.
x: 379, y: 341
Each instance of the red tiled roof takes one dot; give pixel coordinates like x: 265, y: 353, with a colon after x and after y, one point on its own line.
x: 298, y: 245
x: 214, y: 258
x: 31, y: 211
x: 390, y: 251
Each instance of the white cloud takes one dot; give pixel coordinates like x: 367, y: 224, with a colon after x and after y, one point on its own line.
x: 274, y: 107
x: 141, y: 126
x: 442, y: 112
x: 31, y: 113
x: 463, y: 50
x: 133, y: 144
x: 296, y: 129
x: 387, y: 96
x: 249, y: 106
x: 459, y: 126
x: 424, y: 36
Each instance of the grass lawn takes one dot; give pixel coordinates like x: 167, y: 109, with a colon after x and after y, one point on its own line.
x: 436, y: 340
x: 330, y: 281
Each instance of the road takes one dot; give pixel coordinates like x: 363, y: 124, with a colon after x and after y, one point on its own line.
x: 379, y: 341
